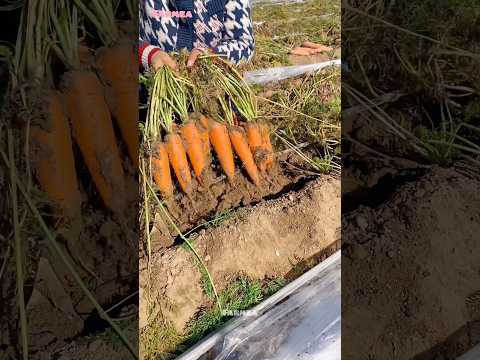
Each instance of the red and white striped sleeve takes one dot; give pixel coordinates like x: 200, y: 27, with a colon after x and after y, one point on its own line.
x: 145, y: 54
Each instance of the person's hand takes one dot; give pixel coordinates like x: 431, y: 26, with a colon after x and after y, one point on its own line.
x: 192, y: 58
x: 161, y: 58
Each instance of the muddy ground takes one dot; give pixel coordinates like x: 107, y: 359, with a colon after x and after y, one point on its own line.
x: 410, y: 270
x: 262, y: 241
x: 220, y: 196
x: 59, y: 315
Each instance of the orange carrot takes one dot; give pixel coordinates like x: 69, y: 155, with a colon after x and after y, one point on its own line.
x: 195, y: 148
x: 267, y: 161
x: 240, y: 145
x: 203, y: 128
x: 301, y: 51
x: 179, y: 162
x: 317, y: 47
x: 53, y: 157
x: 255, y: 142
x: 118, y: 71
x: 221, y: 144
x: 93, y: 131
x: 161, y: 169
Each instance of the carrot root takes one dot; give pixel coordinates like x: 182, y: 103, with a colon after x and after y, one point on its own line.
x: 93, y: 131
x: 195, y: 148
x: 268, y: 160
x: 240, y: 145
x: 255, y: 142
x: 118, y: 72
x: 161, y: 169
x: 203, y: 128
x: 53, y: 158
x: 178, y: 159
x: 220, y: 141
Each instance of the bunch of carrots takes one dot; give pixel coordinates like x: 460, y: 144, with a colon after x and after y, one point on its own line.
x: 94, y: 90
x: 182, y: 132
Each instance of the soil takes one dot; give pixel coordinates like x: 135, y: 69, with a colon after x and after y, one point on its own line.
x: 58, y: 312
x: 221, y: 195
x: 262, y: 241
x: 411, y: 270
x: 57, y: 303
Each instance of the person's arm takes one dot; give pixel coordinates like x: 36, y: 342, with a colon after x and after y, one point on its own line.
x: 151, y: 55
x: 237, y: 42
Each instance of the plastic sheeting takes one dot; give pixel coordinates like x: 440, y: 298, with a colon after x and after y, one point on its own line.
x: 284, y: 72
x: 301, y: 321
x: 473, y: 354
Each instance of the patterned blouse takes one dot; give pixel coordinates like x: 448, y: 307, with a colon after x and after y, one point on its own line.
x: 223, y: 26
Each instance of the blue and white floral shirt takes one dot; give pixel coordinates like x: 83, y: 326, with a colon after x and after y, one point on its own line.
x: 224, y: 26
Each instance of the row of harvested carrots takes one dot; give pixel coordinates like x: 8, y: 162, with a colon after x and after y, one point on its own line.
x: 90, y: 93
x: 194, y: 139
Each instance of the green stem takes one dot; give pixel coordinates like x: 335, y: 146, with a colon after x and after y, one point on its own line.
x: 18, y: 250
x: 189, y: 244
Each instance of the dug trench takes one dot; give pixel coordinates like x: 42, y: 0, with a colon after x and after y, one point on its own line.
x: 410, y: 268
x: 271, y: 239
x: 220, y: 196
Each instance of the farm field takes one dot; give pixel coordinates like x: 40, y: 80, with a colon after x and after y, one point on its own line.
x: 229, y: 245
x: 83, y: 267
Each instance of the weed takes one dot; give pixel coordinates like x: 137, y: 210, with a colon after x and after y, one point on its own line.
x: 242, y: 294
x: 274, y: 285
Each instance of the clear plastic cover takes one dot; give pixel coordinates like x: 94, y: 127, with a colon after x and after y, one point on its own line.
x: 301, y: 321
x: 284, y: 72
x: 473, y: 354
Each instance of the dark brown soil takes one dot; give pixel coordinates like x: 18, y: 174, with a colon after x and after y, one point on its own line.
x: 58, y: 312
x: 411, y: 271
x: 221, y: 195
x: 262, y: 241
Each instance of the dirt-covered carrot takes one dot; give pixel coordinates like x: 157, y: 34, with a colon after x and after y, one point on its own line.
x: 178, y: 160
x: 116, y: 64
x: 53, y: 157
x: 195, y: 148
x: 317, y: 47
x: 240, y: 145
x: 161, y: 169
x: 203, y: 128
x: 93, y: 131
x: 118, y: 71
x: 244, y: 100
x: 302, y: 51
x: 220, y: 141
x: 268, y: 159
x: 89, y: 113
x: 255, y: 142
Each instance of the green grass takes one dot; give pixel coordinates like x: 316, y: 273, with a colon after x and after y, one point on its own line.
x: 284, y: 26
x: 161, y: 341
x: 428, y: 51
x: 306, y: 110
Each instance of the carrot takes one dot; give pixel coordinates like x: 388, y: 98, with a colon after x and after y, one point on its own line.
x: 221, y: 144
x: 53, y: 157
x: 203, y: 128
x: 94, y: 134
x: 179, y: 162
x: 267, y: 161
x: 317, y: 47
x: 119, y: 73
x: 240, y: 145
x: 195, y: 148
x: 255, y: 142
x: 161, y: 169
x: 301, y: 51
